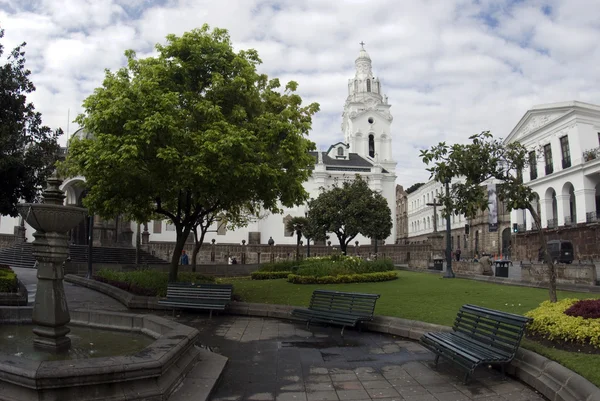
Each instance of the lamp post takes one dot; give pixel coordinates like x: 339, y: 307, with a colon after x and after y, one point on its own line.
x: 449, y: 272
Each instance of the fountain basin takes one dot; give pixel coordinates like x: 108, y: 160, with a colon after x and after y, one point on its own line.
x: 152, y: 373
x: 45, y: 217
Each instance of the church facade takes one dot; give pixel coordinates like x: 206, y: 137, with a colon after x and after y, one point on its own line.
x: 366, y: 151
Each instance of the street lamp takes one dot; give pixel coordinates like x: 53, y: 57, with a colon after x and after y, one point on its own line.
x: 449, y: 272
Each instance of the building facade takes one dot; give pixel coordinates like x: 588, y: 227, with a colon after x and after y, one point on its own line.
x: 563, y: 140
x: 366, y: 151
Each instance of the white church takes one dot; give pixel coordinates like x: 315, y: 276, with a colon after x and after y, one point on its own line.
x: 366, y: 150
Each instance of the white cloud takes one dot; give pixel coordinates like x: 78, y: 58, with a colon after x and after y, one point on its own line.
x: 451, y: 68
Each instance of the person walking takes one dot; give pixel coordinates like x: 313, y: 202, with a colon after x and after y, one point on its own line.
x: 184, y: 258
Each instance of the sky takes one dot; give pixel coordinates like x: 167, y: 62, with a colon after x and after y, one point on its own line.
x: 450, y: 68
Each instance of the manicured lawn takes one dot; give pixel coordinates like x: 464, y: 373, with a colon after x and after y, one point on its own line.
x: 429, y: 298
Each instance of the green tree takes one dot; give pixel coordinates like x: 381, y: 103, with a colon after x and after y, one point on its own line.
x: 297, y: 225
x: 28, y: 149
x: 194, y: 130
x: 414, y: 187
x: 350, y: 210
x: 484, y: 160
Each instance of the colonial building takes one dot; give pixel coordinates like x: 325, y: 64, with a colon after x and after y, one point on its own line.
x: 563, y: 140
x: 366, y: 150
x: 480, y: 237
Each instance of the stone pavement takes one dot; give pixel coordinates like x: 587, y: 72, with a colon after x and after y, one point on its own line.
x: 271, y: 359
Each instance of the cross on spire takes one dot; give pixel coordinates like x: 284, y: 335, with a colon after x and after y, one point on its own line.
x: 362, y: 44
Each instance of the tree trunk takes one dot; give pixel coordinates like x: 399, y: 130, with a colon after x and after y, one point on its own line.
x: 197, y: 245
x: 343, y: 244
x: 298, y: 236
x: 547, y: 258
x: 179, y: 243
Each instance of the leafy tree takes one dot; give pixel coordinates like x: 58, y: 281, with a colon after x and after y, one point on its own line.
x: 191, y: 132
x: 414, y: 187
x: 28, y: 149
x: 350, y: 210
x: 483, y: 160
x: 297, y: 225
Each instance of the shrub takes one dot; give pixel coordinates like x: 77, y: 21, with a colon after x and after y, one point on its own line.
x: 147, y: 282
x: 551, y: 322
x: 343, y: 278
x: 8, y: 280
x: 586, y: 308
x: 260, y: 275
x: 283, y: 266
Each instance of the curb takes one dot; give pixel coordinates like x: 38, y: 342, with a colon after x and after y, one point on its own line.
x: 554, y: 381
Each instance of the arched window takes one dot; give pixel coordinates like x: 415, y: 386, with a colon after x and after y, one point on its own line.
x: 340, y: 151
x: 371, y: 145
x: 368, y: 85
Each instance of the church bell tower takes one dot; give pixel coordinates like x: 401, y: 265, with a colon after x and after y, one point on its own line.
x: 366, y: 121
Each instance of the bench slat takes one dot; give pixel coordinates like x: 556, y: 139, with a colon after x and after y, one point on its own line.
x: 198, y: 296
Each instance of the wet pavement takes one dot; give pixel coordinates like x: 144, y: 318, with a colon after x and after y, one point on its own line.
x: 272, y: 359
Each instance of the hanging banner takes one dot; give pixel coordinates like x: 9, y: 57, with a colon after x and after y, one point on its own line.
x: 492, y: 207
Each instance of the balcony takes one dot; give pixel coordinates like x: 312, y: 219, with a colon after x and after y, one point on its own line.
x: 570, y: 220
x: 591, y: 154
x: 552, y: 223
x: 566, y: 163
x: 521, y: 228
x: 549, y: 169
x: 592, y: 217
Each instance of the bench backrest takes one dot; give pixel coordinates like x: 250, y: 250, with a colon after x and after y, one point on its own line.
x: 500, y: 330
x: 344, y: 302
x: 200, y: 290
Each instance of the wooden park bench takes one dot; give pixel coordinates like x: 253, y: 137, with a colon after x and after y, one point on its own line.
x: 334, y: 307
x: 198, y: 296
x: 480, y: 336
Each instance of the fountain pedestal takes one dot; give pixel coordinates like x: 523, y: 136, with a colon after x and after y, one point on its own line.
x: 51, y: 220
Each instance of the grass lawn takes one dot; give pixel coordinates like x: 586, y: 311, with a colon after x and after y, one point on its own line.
x: 430, y: 298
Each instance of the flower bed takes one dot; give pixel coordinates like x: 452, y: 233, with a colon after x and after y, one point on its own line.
x: 147, y: 282
x: 8, y: 279
x: 551, y: 322
x: 260, y: 275
x: 343, y: 278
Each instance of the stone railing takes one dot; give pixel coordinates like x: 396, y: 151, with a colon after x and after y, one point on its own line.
x: 565, y: 274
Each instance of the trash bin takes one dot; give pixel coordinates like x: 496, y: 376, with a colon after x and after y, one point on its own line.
x: 501, y: 268
x: 438, y: 264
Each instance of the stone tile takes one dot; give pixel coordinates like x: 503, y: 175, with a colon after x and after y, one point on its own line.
x: 506, y: 387
x: 292, y: 387
x: 376, y: 384
x: 343, y: 377
x: 452, y: 396
x: 353, y: 385
x: 377, y: 393
x: 403, y: 382
x: 475, y: 391
x: 352, y: 394
x: 261, y: 397
x: 440, y: 388
x: 318, y: 371
x: 326, y: 386
x: 291, y: 396
x: 411, y: 391
x: 318, y: 379
x: 339, y: 371
x: 422, y: 397
x: 322, y: 396
x: 370, y: 376
x: 431, y: 378
x: 521, y: 396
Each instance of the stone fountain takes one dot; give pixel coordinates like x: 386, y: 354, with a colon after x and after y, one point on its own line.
x: 51, y: 220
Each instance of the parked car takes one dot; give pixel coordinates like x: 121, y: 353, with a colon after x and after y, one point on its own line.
x: 561, y: 251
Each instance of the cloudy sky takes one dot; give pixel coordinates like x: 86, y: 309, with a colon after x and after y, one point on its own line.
x: 451, y: 68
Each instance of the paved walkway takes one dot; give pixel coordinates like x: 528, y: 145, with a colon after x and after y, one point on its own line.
x: 272, y: 359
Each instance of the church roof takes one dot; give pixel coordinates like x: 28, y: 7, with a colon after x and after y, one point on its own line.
x: 355, y: 162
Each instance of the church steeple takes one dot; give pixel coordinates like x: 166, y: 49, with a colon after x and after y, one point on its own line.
x: 366, y: 121
x: 364, y: 83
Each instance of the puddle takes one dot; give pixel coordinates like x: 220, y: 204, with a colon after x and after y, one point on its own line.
x: 319, y: 344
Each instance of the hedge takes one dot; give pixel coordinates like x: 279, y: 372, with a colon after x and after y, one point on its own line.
x: 343, y: 278
x: 269, y: 275
x: 551, y: 322
x: 147, y: 282
x: 8, y: 280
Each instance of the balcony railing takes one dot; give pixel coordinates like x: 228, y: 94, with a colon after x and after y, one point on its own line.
x: 570, y: 220
x: 592, y: 217
x: 552, y: 223
x: 521, y: 228
x: 549, y: 169
x: 566, y: 163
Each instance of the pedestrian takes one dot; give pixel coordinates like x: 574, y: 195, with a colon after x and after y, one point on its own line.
x: 184, y: 258
x: 457, y: 253
x: 234, y: 261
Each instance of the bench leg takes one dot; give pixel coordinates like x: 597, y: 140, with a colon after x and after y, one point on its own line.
x: 503, y: 367
x: 307, y: 324
x: 435, y: 362
x: 466, y: 380
x: 210, y: 314
x: 342, y: 333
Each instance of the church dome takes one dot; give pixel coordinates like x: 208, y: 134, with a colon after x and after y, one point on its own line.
x: 363, y: 55
x: 81, y: 133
